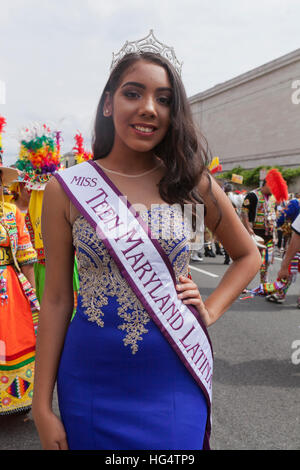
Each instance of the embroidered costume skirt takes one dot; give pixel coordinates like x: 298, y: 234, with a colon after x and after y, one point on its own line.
x: 110, y: 398
x: 17, y: 346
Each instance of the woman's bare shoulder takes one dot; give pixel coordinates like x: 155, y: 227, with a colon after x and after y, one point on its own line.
x: 206, y: 186
x: 53, y: 187
x: 55, y: 196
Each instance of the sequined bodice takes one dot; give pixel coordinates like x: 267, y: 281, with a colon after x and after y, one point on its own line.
x: 100, y: 278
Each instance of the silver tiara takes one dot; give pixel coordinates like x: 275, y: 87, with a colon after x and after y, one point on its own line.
x: 147, y: 44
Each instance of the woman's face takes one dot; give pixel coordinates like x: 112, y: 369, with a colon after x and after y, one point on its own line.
x: 140, y: 107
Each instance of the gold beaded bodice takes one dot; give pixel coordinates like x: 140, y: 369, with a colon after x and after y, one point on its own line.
x: 101, y: 283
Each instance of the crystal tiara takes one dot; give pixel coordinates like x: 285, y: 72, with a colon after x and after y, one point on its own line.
x: 147, y: 44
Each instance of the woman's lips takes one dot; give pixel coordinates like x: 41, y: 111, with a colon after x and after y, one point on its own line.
x: 144, y: 129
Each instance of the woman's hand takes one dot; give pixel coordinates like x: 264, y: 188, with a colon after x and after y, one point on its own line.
x: 189, y: 294
x: 51, y: 431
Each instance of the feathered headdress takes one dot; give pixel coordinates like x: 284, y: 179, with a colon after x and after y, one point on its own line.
x: 277, y: 185
x: 39, y: 155
x: 81, y: 155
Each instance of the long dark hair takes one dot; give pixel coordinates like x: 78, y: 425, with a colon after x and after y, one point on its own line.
x: 183, y: 150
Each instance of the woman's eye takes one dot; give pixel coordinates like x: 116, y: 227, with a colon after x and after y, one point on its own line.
x: 131, y: 94
x: 164, y: 100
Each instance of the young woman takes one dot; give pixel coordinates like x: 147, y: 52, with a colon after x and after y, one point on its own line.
x: 125, y: 380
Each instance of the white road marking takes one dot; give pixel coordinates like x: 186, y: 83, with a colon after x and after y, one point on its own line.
x: 203, y: 271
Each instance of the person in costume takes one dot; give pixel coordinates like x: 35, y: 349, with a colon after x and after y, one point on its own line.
x: 39, y: 158
x: 281, y: 242
x: 19, y: 307
x: 127, y: 378
x: 292, y: 251
x: 277, y: 293
x: 259, y: 216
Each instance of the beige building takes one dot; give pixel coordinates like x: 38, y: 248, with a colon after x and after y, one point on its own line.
x: 254, y: 119
x: 68, y: 159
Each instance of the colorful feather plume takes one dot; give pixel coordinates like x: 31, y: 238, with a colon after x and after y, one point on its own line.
x: 2, y: 125
x: 215, y: 166
x: 39, y: 155
x: 81, y: 155
x: 277, y: 185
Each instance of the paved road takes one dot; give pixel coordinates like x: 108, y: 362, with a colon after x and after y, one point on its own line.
x: 256, y: 399
x: 256, y: 385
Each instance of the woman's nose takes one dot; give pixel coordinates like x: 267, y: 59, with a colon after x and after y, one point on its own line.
x: 148, y: 106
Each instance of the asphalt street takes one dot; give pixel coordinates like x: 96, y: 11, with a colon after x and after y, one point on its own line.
x: 256, y: 385
x: 256, y: 399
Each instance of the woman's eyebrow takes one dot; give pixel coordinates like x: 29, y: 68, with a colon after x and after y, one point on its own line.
x: 140, y: 85
x: 164, y: 88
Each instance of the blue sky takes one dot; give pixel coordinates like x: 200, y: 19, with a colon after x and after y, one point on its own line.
x: 55, y: 54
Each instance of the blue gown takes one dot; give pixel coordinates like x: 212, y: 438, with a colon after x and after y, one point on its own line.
x: 120, y: 384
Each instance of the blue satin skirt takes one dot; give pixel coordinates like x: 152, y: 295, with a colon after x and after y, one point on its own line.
x: 112, y: 399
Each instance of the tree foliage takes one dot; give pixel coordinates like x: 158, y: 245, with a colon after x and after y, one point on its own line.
x: 251, y: 177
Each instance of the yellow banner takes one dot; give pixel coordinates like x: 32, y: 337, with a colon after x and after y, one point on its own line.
x: 237, y: 178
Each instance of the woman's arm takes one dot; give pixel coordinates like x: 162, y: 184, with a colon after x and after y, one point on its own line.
x: 238, y: 244
x: 56, y: 311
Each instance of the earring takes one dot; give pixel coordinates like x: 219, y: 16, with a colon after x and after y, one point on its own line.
x: 105, y: 112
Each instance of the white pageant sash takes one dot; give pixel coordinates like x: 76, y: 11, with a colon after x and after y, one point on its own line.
x: 144, y: 265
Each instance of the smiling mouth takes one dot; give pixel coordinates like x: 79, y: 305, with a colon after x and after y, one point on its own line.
x: 143, y: 129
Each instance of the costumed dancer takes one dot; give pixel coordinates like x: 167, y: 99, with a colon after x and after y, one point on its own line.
x: 292, y: 254
x: 19, y: 307
x: 259, y: 216
x: 281, y: 242
x: 39, y: 158
x: 284, y: 222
